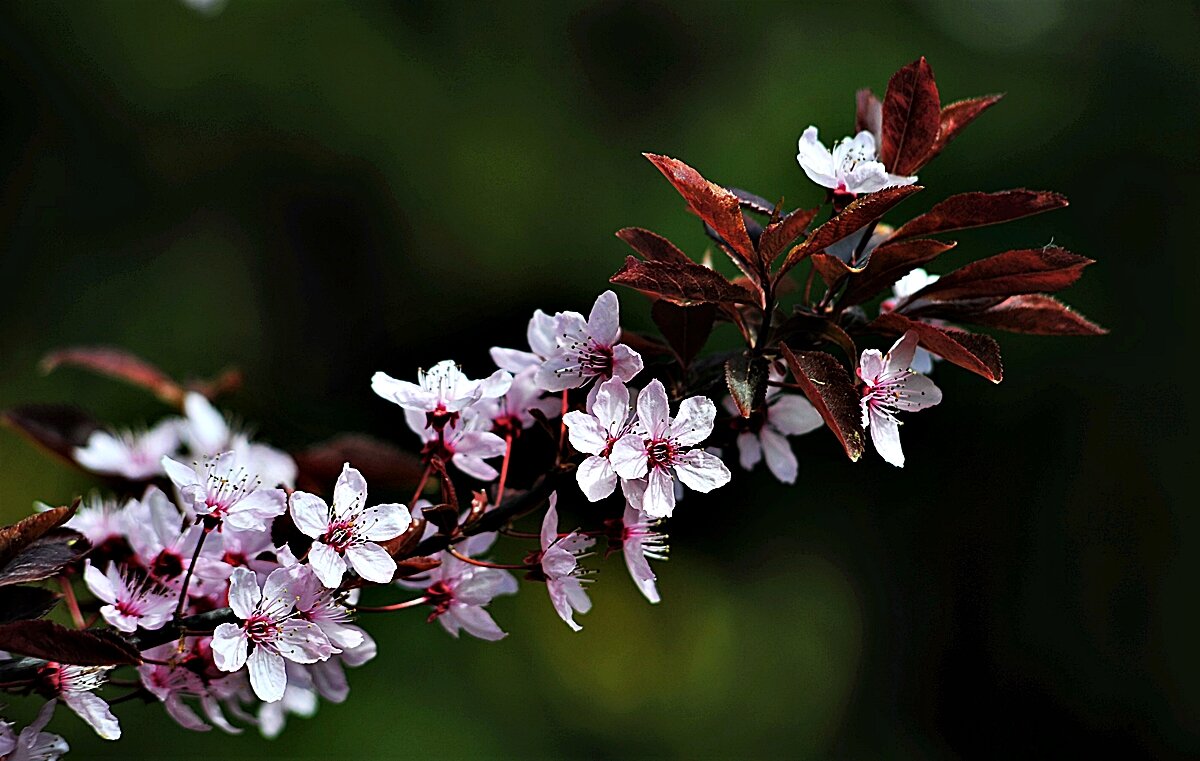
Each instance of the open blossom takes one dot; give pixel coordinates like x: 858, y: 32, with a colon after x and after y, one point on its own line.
x: 595, y: 432
x: 32, y: 744
x: 100, y: 519
x: 660, y: 450
x: 220, y: 490
x: 187, y: 673
x: 891, y: 386
x: 131, y: 601
x: 207, y: 434
x: 640, y: 541
x: 901, y: 290
x: 165, y: 547
x: 346, y: 532
x: 460, y: 592
x: 76, y: 685
x: 510, y: 413
x: 588, y: 349
x: 851, y: 167
x: 542, y: 343
x: 765, y: 434
x: 442, y: 393
x: 559, y: 565
x: 466, y: 443
x: 271, y: 630
x: 133, y: 455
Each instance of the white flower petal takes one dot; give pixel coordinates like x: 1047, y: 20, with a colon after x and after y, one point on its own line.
x: 781, y: 461
x: 93, y: 710
x: 793, y: 415
x: 372, y: 562
x: 700, y: 471
x: 349, y: 493
x: 229, y: 647
x: 383, y: 522
x: 628, y: 456
x: 659, y: 499
x: 327, y: 564
x: 585, y: 432
x: 596, y: 478
x: 310, y: 514
x: 268, y: 675
x: 694, y: 422
x: 653, y: 410
x: 885, y: 433
x: 244, y: 594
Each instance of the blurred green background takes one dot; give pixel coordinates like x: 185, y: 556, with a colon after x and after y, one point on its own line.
x: 315, y: 191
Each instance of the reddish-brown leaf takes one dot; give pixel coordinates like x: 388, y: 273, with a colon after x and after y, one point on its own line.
x: 681, y: 283
x: 119, y: 364
x: 831, y: 390
x: 652, y: 246
x: 861, y: 212
x: 23, y: 603
x: 746, y: 378
x: 58, y: 428
x: 831, y: 269
x: 911, y: 118
x: 686, y: 328
x: 975, y: 352
x: 15, y: 538
x: 718, y: 207
x: 382, y: 464
x: 1037, y: 314
x: 51, y: 642
x: 955, y: 117
x: 889, y: 263
x: 44, y: 557
x: 868, y: 113
x: 1032, y: 270
x: 412, y: 566
x: 968, y: 210
x: 779, y: 235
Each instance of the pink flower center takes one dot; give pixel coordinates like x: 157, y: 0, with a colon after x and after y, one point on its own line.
x: 259, y: 629
x: 660, y: 453
x: 340, y: 535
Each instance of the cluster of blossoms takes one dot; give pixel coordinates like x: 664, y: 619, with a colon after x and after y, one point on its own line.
x: 231, y: 575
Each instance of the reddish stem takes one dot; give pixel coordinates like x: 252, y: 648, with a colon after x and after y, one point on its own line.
x: 397, y: 606
x: 486, y: 564
x: 72, y: 603
x: 421, y: 484
x: 508, y: 439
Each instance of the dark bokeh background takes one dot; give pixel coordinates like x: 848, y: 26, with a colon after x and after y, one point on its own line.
x: 315, y: 191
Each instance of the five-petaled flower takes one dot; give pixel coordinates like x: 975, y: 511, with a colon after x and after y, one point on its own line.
x: 347, y: 531
x: 133, y: 455
x: 271, y: 630
x: 132, y: 601
x: 76, y: 686
x: 460, y: 592
x: 903, y: 288
x: 32, y: 744
x: 640, y: 541
x: 558, y: 565
x: 595, y: 432
x: 224, y: 493
x: 442, y: 392
x: 660, y: 449
x: 850, y: 168
x: 588, y: 349
x: 466, y: 442
x: 891, y: 386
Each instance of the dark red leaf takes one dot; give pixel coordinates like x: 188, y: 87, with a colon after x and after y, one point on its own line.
x: 746, y: 378
x: 779, y: 235
x: 1036, y: 314
x: 413, y: 566
x: 752, y: 201
x: 58, y: 428
x: 718, y: 207
x: 680, y: 283
x: 382, y: 464
x: 1032, y: 270
x: 975, y: 352
x: 911, y: 118
x: 868, y: 114
x: 652, y: 246
x: 51, y: 642
x: 15, y: 538
x: 831, y: 269
x: 968, y: 210
x: 45, y: 557
x: 686, y: 328
x: 23, y: 603
x: 889, y: 263
x: 118, y: 364
x: 955, y: 117
x: 831, y: 390
x: 861, y: 212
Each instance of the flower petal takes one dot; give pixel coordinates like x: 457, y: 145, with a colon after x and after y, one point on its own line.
x: 627, y: 363
x: 93, y: 710
x: 628, y: 456
x: 604, y: 322
x: 327, y: 564
x: 268, y: 676
x: 383, y: 522
x: 372, y: 562
x: 885, y: 433
x: 659, y: 499
x: 349, y: 493
x: 781, y: 461
x: 596, y: 478
x: 653, y: 410
x: 749, y: 450
x: 244, y: 594
x: 694, y: 422
x: 229, y: 647
x: 792, y: 415
x: 585, y: 432
x: 701, y: 471
x: 309, y: 513
x: 816, y: 160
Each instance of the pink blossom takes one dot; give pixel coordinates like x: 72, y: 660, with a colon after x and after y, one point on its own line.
x: 185, y: 674
x: 851, y: 167
x: 465, y: 442
x: 208, y: 433
x: 76, y: 685
x: 347, y: 532
x: 219, y: 490
x: 903, y: 288
x: 542, y: 344
x: 32, y: 744
x: 640, y: 541
x: 442, y: 393
x: 165, y: 547
x: 132, y: 602
x: 271, y: 630
x: 588, y: 349
x: 460, y: 592
x: 133, y: 455
x: 765, y: 434
x: 510, y: 413
x: 661, y: 449
x: 891, y: 386
x: 559, y: 566
x: 595, y: 432
x: 100, y: 519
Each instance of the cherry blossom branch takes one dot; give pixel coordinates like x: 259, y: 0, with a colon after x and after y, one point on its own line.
x: 416, y: 602
x: 187, y: 578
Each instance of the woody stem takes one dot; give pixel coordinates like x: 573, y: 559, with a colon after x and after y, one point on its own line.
x: 421, y: 484
x: 187, y: 578
x: 72, y: 603
x: 508, y: 440
x: 486, y: 564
